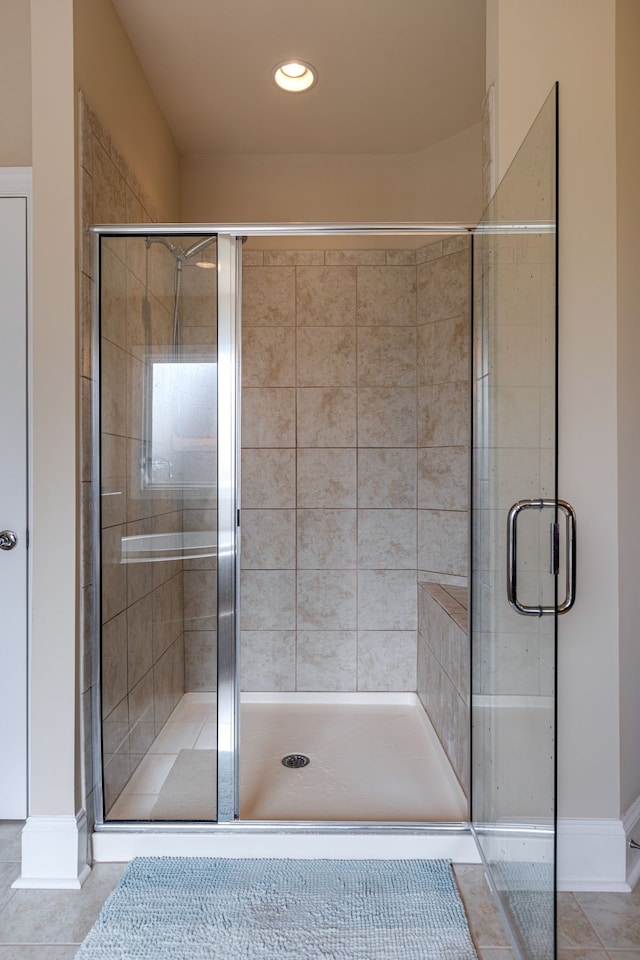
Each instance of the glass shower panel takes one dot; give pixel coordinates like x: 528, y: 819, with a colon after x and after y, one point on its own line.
x: 159, y: 533
x: 514, y: 460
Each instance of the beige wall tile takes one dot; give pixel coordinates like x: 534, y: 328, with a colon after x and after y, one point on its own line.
x: 268, y: 660
x: 136, y: 371
x: 443, y: 478
x: 141, y: 719
x: 267, y: 600
x: 443, y: 415
x: 167, y: 615
x: 200, y: 599
x: 116, y: 773
x: 460, y: 244
x: 444, y: 288
x: 326, y: 599
x: 326, y: 296
x: 387, y: 296
x: 114, y: 663
x: 387, y: 600
x: 162, y: 690
x: 268, y: 539
x: 115, y: 729
x: 355, y: 257
x: 113, y: 298
x: 268, y: 296
x: 139, y: 575
x: 268, y: 478
x: 387, y: 478
x: 443, y: 541
x: 326, y: 477
x: 386, y: 417
x: 150, y: 321
x: 326, y: 417
x: 326, y: 539
x: 400, y: 258
x: 387, y: 539
x: 387, y: 660
x: 268, y: 417
x: 113, y: 400
x: 200, y: 661
x: 430, y: 251
x: 326, y: 357
x: 140, y: 501
x: 269, y: 357
x: 252, y: 258
x: 108, y: 188
x: 114, y: 480
x: 139, y: 640
x: 326, y: 660
x: 443, y: 351
x: 200, y: 519
x: 387, y: 356
x: 293, y: 257
x: 168, y: 522
x: 114, y: 573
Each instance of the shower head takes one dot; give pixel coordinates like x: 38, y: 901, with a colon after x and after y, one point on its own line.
x: 182, y: 256
x: 198, y: 247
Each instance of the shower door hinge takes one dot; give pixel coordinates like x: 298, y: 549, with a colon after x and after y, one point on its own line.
x: 237, y: 518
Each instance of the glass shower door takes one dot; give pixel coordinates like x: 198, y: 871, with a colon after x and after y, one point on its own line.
x: 166, y: 526
x: 514, y: 534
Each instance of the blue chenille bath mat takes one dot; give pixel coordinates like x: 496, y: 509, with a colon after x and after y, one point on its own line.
x: 196, y: 908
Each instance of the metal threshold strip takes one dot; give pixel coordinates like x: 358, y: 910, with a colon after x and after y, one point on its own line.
x: 285, y: 826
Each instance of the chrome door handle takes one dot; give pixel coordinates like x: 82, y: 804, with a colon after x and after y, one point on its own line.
x: 512, y: 543
x: 8, y: 539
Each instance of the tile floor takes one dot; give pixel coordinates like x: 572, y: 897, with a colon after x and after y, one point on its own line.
x: 376, y: 759
x: 50, y: 924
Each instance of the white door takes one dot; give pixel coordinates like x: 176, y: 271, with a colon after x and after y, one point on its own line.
x: 13, y: 506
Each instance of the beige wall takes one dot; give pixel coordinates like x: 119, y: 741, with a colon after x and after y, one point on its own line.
x: 109, y: 73
x: 448, y: 179
x: 628, y: 211
x: 53, y: 730
x: 529, y: 47
x: 15, y: 84
x: 441, y: 183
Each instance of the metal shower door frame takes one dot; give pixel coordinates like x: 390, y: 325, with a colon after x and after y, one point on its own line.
x: 229, y: 270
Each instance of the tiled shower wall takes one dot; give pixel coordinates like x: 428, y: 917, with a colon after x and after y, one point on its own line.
x: 354, y: 477
x: 143, y: 659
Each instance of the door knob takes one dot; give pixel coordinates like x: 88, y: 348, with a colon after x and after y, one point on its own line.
x: 8, y: 539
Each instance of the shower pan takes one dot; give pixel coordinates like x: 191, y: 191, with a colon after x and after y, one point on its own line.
x: 282, y: 672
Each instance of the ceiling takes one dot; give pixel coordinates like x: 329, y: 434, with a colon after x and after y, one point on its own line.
x: 395, y: 76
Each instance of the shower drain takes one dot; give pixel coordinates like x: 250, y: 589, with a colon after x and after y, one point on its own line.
x: 295, y: 760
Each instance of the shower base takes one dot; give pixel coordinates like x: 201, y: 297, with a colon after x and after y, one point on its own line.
x: 378, y: 782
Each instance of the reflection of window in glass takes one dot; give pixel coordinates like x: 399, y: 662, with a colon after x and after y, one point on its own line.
x: 180, y: 423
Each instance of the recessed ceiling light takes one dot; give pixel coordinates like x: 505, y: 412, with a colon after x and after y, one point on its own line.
x: 295, y: 76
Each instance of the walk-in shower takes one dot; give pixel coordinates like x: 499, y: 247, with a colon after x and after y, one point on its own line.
x: 354, y: 519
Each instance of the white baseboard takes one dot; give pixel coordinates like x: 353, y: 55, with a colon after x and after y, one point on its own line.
x: 594, y: 855
x: 54, y: 853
